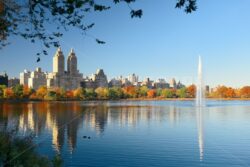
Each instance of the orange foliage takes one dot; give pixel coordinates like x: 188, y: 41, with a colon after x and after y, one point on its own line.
x: 70, y: 94
x: 41, y: 92
x: 230, y: 93
x: 26, y: 91
x: 151, y: 93
x: 191, y: 90
x: 130, y: 91
x: 245, y: 92
x: 8, y: 93
x: 224, y: 92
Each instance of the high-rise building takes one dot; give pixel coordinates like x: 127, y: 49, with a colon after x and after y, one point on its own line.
x: 172, y: 83
x: 133, y: 79
x: 24, y: 77
x: 69, y: 79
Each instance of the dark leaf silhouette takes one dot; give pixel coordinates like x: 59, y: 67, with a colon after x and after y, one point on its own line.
x: 100, y: 42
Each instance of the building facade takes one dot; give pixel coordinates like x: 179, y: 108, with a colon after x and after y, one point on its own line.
x: 13, y: 82
x: 37, y: 78
x: 99, y: 79
x: 24, y: 77
x: 69, y: 79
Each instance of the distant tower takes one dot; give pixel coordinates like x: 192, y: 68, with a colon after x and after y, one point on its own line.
x: 58, y: 62
x: 72, y: 63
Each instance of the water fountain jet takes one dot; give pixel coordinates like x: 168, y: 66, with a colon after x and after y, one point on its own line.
x: 200, y: 93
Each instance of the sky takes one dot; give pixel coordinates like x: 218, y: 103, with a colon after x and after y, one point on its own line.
x: 164, y: 43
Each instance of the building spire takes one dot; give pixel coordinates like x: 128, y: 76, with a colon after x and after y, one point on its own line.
x: 59, y: 49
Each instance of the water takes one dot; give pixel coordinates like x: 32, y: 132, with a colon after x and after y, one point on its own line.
x: 200, y: 93
x: 136, y: 133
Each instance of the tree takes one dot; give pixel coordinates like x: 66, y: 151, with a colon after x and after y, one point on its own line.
x: 79, y: 93
x: 28, y: 19
x: 115, y: 93
x: 51, y: 95
x: 12, y: 152
x: 8, y: 93
x: 221, y: 92
x: 143, y: 91
x: 18, y: 91
x: 90, y: 94
x: 182, y: 92
x: 69, y: 94
x: 130, y: 91
x: 191, y: 91
x: 168, y: 93
x: 26, y: 91
x: 2, y: 87
x: 230, y: 93
x: 245, y: 92
x: 102, y: 93
x: 151, y: 93
x: 41, y: 92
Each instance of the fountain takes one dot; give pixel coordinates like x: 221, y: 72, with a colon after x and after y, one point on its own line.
x: 200, y: 103
x: 200, y: 94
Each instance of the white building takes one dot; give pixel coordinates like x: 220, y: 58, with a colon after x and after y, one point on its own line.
x: 133, y: 79
x: 24, y: 77
x: 69, y: 79
x: 37, y: 78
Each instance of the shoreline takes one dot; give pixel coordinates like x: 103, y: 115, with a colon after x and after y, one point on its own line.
x: 129, y: 99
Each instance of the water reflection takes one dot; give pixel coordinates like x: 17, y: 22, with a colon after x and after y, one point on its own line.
x: 63, y: 120
x: 199, y: 117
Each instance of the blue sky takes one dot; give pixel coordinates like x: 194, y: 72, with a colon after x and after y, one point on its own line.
x: 164, y: 43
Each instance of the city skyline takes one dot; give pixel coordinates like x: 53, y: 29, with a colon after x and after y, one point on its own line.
x: 172, y: 51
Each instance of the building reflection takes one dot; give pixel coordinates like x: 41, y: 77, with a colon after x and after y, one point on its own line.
x: 62, y: 120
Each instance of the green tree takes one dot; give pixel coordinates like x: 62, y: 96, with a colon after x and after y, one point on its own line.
x: 18, y: 91
x: 102, y: 93
x: 182, y: 92
x: 90, y: 94
x: 158, y: 92
x: 115, y: 93
x: 51, y: 95
x: 12, y: 152
x: 2, y: 87
x: 143, y: 91
x: 168, y: 93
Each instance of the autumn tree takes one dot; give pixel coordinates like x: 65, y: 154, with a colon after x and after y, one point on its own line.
x: 191, y: 91
x: 41, y: 92
x: 245, y: 92
x: 102, y: 93
x: 230, y: 93
x: 143, y: 90
x: 27, y: 91
x: 2, y: 87
x: 151, y: 93
x: 8, y: 93
x: 130, y: 91
x: 69, y: 94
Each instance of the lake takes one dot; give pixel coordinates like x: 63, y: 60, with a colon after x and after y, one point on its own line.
x: 136, y: 133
